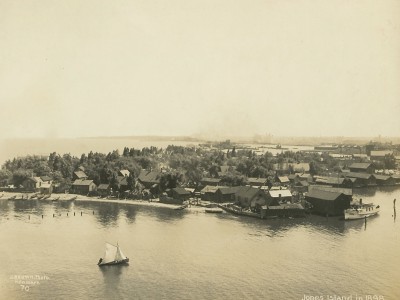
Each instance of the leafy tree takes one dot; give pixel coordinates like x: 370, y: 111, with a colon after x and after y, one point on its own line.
x: 20, y: 175
x: 389, y: 161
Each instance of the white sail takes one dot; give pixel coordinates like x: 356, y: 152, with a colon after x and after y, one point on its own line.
x: 119, y: 255
x: 110, y: 254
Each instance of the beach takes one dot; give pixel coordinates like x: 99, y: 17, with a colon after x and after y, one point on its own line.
x: 76, y: 197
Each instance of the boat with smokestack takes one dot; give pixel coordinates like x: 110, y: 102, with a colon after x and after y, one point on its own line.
x: 360, y: 210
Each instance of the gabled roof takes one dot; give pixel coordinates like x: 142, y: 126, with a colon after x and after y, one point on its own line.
x: 124, y: 172
x: 357, y: 175
x: 303, y: 183
x: 209, y: 189
x: 329, y: 180
x: 323, y: 195
x: 103, y: 186
x: 122, y: 180
x: 256, y: 180
x: 181, y: 191
x: 292, y: 176
x: 46, y: 178
x: 80, y: 174
x: 81, y: 182
x: 247, y: 192
x: 359, y: 165
x: 283, y: 179
x: 149, y: 176
x: 283, y: 193
x: 225, y: 190
x: 35, y: 179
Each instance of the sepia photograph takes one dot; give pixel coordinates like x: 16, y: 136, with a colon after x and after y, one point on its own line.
x: 199, y: 149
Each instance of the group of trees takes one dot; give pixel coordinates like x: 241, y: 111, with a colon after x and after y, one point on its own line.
x: 182, y: 165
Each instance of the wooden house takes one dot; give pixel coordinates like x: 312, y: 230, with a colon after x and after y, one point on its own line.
x: 248, y: 196
x: 149, y: 178
x: 83, y: 186
x: 180, y: 194
x: 32, y: 184
x: 226, y: 194
x: 209, y: 193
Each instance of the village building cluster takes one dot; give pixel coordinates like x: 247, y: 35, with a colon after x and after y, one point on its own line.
x: 325, y: 183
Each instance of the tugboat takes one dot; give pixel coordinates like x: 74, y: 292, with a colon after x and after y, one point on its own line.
x: 113, y: 256
x: 358, y: 210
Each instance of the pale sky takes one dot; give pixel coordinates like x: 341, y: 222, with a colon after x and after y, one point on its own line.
x: 179, y: 67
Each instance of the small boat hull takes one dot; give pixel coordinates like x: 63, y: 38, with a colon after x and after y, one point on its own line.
x: 213, y: 210
x: 112, y: 263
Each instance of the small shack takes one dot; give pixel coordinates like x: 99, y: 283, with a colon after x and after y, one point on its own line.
x: 180, y: 194
x: 104, y: 189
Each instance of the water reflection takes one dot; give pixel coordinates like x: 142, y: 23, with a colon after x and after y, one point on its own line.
x: 107, y: 214
x: 130, y: 213
x: 111, y: 276
x: 28, y: 206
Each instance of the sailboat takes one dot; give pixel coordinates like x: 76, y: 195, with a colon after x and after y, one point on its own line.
x: 113, y: 256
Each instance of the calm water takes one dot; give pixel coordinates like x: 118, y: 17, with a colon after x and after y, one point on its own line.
x: 193, y: 255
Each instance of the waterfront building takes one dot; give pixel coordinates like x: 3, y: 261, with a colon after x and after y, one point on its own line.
x: 362, y: 168
x: 208, y: 193
x: 248, y: 196
x: 180, y: 194
x: 226, y: 194
x: 384, y: 180
x: 32, y: 184
x: 328, y: 202
x: 360, y: 179
x: 83, y: 186
x: 279, y: 196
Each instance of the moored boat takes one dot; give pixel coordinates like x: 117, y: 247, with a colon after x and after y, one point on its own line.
x: 360, y: 211
x: 113, y: 256
x: 215, y: 210
x: 181, y: 207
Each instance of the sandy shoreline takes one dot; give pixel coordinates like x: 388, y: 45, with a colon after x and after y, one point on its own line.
x: 76, y: 197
